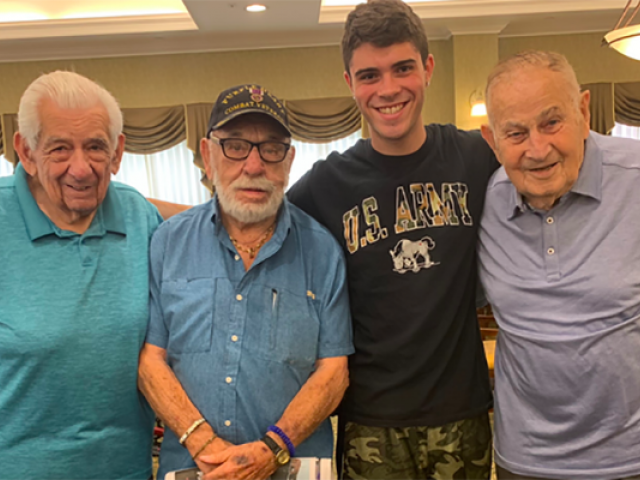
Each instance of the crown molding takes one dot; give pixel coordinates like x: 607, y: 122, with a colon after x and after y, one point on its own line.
x: 161, y: 44
x: 484, y: 8
x: 97, y: 26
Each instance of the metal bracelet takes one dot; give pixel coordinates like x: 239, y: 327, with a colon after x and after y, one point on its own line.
x: 190, y: 430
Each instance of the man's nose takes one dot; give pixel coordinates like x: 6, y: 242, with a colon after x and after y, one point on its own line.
x: 79, y: 165
x: 539, y: 146
x: 254, y: 165
x: 389, y: 86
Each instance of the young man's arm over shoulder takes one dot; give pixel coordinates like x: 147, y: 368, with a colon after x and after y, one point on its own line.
x: 168, y: 209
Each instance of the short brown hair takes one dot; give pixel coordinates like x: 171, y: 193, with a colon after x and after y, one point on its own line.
x: 383, y: 23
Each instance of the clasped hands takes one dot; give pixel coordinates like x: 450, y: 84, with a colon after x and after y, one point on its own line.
x: 224, y: 461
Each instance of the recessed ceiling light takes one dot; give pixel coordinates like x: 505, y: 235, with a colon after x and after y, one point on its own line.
x: 256, y: 8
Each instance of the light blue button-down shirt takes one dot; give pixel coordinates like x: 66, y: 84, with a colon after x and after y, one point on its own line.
x: 242, y: 343
x: 565, y: 289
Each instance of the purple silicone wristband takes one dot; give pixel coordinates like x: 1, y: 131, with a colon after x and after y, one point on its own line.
x: 285, y: 439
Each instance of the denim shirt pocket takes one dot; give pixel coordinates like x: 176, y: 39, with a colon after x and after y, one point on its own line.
x: 290, y: 333
x: 188, y: 306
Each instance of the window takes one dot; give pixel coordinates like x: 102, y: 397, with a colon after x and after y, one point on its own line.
x: 308, y: 153
x: 169, y: 175
x: 172, y: 176
x: 626, y: 131
x: 6, y: 168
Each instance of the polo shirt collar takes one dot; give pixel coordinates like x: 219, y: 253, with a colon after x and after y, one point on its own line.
x: 589, y: 182
x: 37, y: 223
x: 111, y: 212
x: 108, y: 218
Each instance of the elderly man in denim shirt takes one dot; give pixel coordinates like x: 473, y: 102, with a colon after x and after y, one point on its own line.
x: 245, y: 355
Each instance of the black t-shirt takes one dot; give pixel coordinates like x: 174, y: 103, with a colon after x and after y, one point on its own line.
x: 408, y: 226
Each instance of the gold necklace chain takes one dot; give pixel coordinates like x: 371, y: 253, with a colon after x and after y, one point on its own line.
x: 253, y: 250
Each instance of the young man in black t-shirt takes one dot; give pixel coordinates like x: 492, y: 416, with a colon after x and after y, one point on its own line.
x: 405, y: 206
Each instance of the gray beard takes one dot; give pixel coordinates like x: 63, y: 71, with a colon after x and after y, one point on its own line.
x: 248, y: 212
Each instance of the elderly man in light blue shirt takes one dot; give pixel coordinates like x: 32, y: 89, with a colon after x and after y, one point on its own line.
x: 245, y: 355
x: 559, y: 260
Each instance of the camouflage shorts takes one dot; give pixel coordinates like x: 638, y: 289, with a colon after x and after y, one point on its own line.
x: 458, y: 450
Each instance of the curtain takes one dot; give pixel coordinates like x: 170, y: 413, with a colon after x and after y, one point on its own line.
x: 323, y: 120
x: 626, y: 131
x: 151, y: 130
x: 6, y: 168
x: 309, y: 153
x: 601, y: 107
x: 9, y: 125
x: 169, y: 175
x: 197, y: 123
x: 627, y: 103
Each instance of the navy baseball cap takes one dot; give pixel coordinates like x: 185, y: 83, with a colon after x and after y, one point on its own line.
x: 242, y: 99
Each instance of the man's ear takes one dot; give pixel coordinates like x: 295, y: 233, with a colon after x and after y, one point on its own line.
x: 117, y: 156
x: 24, y: 153
x: 292, y: 156
x: 585, y: 99
x: 347, y: 78
x: 207, y: 158
x: 429, y: 66
x: 487, y: 134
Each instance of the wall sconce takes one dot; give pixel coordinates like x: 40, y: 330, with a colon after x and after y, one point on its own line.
x: 625, y: 38
x: 478, y: 106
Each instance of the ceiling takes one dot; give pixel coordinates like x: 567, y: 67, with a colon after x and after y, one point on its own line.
x: 61, y: 29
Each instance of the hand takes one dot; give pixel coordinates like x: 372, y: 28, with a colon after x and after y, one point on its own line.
x: 296, y: 463
x: 251, y: 461
x: 216, y: 447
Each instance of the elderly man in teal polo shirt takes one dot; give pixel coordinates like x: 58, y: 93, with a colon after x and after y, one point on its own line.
x: 73, y: 292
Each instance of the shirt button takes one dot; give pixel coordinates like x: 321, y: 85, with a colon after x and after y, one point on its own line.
x: 228, y: 379
x: 234, y: 338
x: 551, y: 251
x: 237, y: 257
x: 227, y: 423
x: 549, y: 220
x: 238, y: 297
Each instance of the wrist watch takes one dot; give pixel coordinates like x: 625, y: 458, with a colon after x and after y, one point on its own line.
x: 282, y: 455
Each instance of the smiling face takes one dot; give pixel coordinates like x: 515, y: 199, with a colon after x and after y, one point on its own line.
x: 71, y: 166
x: 539, y: 123
x: 251, y: 190
x: 388, y: 86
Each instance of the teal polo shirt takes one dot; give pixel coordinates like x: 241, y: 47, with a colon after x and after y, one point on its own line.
x: 73, y: 316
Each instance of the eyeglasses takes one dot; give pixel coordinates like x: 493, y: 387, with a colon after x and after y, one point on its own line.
x: 239, y: 149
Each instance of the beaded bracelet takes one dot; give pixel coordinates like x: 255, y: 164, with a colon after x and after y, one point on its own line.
x: 287, y: 441
x: 206, y: 444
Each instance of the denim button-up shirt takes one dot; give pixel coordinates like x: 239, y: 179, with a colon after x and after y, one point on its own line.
x: 242, y: 343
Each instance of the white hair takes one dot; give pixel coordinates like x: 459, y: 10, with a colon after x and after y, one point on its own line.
x: 66, y: 90
x: 541, y: 59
